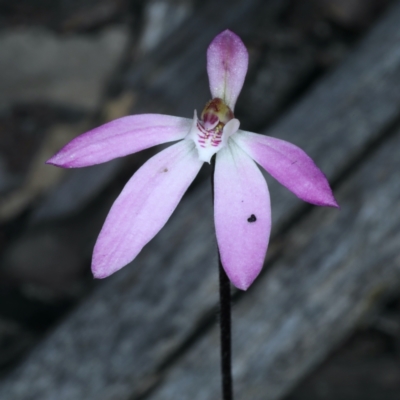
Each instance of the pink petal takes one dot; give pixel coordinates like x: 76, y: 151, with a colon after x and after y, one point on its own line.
x: 144, y: 206
x: 242, y: 215
x: 120, y: 137
x: 227, y: 61
x: 289, y: 165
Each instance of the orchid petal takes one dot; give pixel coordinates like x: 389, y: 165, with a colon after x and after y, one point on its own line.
x: 242, y: 213
x: 230, y: 128
x: 120, y: 137
x: 227, y: 61
x: 289, y: 165
x: 144, y: 206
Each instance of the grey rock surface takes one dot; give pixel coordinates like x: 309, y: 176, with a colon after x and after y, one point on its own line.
x: 39, y: 65
x: 161, y: 17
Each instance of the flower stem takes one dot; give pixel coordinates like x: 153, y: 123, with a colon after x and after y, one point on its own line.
x: 224, y: 319
x: 225, y: 329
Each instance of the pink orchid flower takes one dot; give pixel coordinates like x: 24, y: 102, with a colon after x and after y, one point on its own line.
x: 242, y: 208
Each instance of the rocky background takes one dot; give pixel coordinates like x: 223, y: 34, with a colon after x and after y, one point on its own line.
x: 67, y: 66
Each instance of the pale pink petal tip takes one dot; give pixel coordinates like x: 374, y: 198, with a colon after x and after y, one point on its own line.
x: 227, y: 62
x: 59, y: 160
x: 290, y: 166
x: 99, y: 274
x: 53, y: 161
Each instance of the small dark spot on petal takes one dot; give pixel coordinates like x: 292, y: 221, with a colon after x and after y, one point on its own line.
x: 165, y: 170
x: 252, y: 218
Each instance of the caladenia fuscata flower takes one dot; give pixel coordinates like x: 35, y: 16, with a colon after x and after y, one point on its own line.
x: 242, y: 210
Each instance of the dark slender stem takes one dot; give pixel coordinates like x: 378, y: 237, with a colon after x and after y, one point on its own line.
x: 225, y: 326
x: 224, y: 320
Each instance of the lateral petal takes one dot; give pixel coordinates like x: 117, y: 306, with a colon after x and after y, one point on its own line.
x: 242, y: 214
x: 120, y: 137
x: 227, y: 61
x: 144, y: 206
x: 289, y: 165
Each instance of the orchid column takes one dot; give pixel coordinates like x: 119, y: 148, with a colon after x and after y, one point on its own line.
x: 242, y: 211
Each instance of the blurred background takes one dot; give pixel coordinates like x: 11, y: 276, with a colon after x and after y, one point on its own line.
x: 68, y: 66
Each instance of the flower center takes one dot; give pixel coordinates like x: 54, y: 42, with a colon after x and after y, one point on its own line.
x: 211, y: 132
x: 216, y: 110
